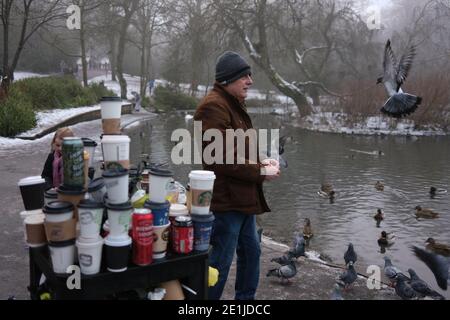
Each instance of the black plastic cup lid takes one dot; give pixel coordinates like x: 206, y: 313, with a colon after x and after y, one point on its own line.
x: 61, y: 244
x: 110, y: 99
x: 114, y: 173
x: 51, y: 193
x: 57, y: 207
x: 70, y: 191
x: 156, y: 205
x: 89, y: 142
x: 96, y: 184
x: 161, y: 172
x: 119, y: 207
x: 90, y: 204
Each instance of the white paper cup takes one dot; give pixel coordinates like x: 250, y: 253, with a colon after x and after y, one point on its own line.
x: 116, y: 182
x: 90, y: 255
x: 111, y: 107
x: 160, y: 239
x: 90, y: 218
x: 119, y: 217
x: 160, y: 180
x: 58, y: 211
x: 62, y: 255
x: 116, y: 148
x: 201, y: 187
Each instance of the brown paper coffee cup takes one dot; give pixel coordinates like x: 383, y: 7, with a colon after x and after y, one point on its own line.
x: 173, y: 290
x: 111, y: 126
x: 60, y: 231
x: 35, y: 231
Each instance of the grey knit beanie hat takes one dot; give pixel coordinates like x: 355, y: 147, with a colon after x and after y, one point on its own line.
x: 231, y: 67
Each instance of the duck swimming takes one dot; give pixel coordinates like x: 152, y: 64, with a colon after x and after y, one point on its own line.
x: 425, y: 213
x: 436, y: 191
x: 326, y: 191
x: 379, y: 216
x: 379, y: 186
x: 307, y: 230
x: 386, y: 239
x: 438, y: 248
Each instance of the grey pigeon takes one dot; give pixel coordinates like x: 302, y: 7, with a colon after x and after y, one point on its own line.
x: 390, y: 271
x: 299, y: 247
x: 421, y: 287
x: 438, y: 264
x: 350, y: 255
x: 402, y: 289
x: 283, y: 260
x: 281, y: 143
x: 337, y: 293
x: 349, y: 276
x: 399, y: 103
x: 285, y: 272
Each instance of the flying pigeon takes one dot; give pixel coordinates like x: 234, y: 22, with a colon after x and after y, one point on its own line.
x: 402, y: 289
x: 438, y: 264
x: 350, y: 255
x: 284, y: 272
x: 390, y: 271
x: 281, y: 143
x: 299, y: 247
x: 421, y: 287
x: 349, y: 276
x: 399, y: 103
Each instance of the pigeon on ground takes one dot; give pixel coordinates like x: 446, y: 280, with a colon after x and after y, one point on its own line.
x: 421, y: 287
x: 349, y: 276
x: 390, y: 271
x: 283, y: 260
x: 402, y: 288
x: 285, y: 272
x: 350, y: 255
x: 299, y: 247
x: 399, y: 103
x: 438, y: 264
x: 337, y: 293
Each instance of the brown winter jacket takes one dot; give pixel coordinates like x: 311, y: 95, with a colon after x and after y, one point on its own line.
x: 238, y: 187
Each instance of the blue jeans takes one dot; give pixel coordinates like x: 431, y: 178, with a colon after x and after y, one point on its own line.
x: 234, y: 231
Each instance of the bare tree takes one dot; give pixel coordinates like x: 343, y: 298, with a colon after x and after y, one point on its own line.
x: 32, y: 15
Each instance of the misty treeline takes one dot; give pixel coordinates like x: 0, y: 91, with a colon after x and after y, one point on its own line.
x: 306, y: 49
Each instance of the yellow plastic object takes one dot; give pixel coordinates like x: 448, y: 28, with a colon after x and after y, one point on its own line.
x: 45, y: 296
x: 139, y: 200
x: 213, y: 276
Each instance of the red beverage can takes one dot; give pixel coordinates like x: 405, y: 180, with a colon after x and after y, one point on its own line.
x: 183, y: 235
x: 142, y: 234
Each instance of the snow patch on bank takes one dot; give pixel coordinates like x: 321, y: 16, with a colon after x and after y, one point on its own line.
x: 20, y: 75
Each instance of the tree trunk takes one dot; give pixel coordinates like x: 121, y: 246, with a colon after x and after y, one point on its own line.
x: 120, y: 55
x: 112, y: 58
x: 83, y: 52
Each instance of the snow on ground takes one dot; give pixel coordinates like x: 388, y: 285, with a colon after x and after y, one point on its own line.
x: 374, y: 125
x: 133, y: 84
x: 49, y: 118
x: 23, y: 75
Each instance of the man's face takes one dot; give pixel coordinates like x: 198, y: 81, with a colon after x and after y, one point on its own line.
x: 240, y: 87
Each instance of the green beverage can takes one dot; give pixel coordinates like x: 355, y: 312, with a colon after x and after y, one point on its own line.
x: 73, y: 162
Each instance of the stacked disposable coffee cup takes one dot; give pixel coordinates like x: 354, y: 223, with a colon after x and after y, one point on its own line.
x: 116, y: 157
x: 159, y: 184
x: 201, y: 190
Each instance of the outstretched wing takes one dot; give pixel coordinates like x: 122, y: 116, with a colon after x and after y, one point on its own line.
x: 437, y: 264
x: 405, y: 65
x: 389, y: 64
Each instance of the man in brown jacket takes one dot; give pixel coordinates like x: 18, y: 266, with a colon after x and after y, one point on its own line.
x: 238, y: 194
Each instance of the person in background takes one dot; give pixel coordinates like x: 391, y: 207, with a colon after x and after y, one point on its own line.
x: 53, y: 169
x: 238, y: 189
